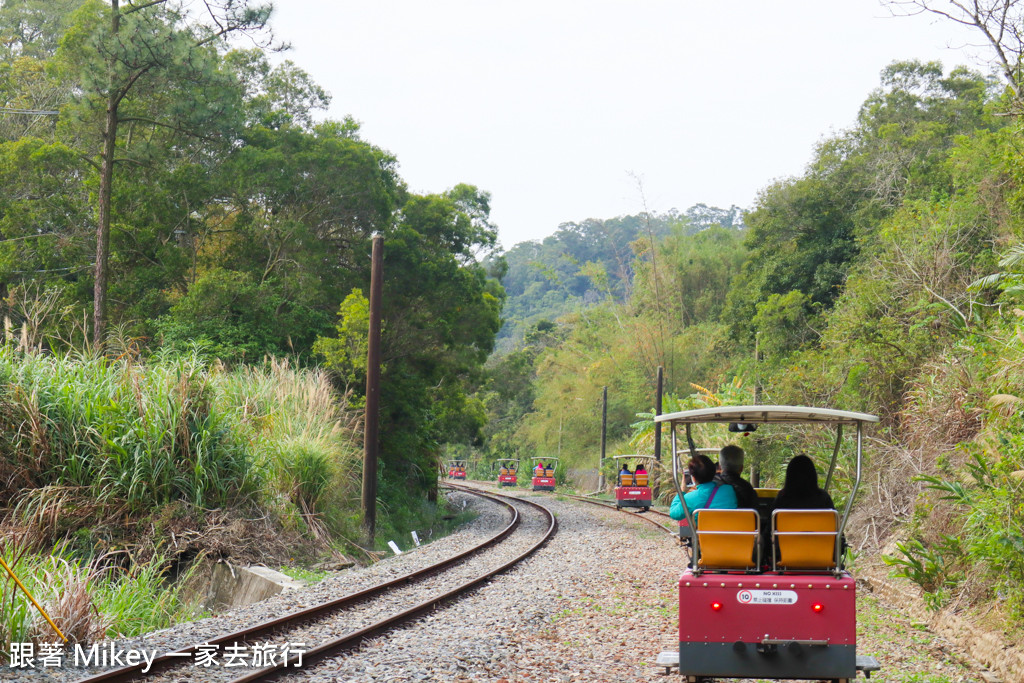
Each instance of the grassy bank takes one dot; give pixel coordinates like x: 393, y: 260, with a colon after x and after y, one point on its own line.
x: 130, y: 468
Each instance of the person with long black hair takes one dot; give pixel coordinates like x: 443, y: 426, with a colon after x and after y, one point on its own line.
x: 800, y: 490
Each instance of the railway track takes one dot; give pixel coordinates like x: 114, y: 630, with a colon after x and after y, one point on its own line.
x: 653, y: 517
x: 444, y: 581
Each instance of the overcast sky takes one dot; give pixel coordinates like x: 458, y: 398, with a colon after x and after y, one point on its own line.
x: 566, y: 110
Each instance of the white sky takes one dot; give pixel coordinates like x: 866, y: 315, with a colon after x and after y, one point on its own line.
x: 558, y: 108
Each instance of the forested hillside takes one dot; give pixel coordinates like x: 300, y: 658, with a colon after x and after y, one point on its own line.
x: 587, y: 262
x: 887, y: 278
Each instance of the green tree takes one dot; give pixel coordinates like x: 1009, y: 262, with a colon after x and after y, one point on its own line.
x: 440, y: 317
x: 33, y: 28
x: 152, y: 67
x: 805, y: 233
x: 345, y: 354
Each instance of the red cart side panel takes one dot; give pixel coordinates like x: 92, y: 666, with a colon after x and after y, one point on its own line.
x: 726, y: 608
x: 637, y: 495
x: 543, y: 483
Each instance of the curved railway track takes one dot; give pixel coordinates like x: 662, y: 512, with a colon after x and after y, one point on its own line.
x: 652, y: 516
x: 280, y: 628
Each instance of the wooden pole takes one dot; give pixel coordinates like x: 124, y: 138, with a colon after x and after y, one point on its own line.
x: 372, y: 415
x: 604, y: 438
x: 656, y: 489
x: 755, y: 467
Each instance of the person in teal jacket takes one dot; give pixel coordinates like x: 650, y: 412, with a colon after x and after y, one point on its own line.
x: 708, y: 494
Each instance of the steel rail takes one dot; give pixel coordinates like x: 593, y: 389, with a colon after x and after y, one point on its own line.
x: 608, y: 504
x: 612, y: 506
x: 352, y: 640
x: 172, y: 659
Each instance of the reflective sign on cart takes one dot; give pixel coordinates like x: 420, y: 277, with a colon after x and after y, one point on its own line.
x: 748, y: 597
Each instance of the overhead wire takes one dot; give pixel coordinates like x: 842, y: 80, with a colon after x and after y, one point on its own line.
x: 33, y: 112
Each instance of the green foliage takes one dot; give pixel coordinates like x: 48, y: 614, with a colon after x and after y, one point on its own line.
x: 306, y: 472
x: 142, y: 600
x: 930, y: 568
x: 442, y: 314
x: 141, y: 437
x: 1011, y: 281
x: 346, y: 353
x: 586, y: 262
x: 782, y: 323
x: 806, y: 233
x: 236, y: 318
x: 85, y: 434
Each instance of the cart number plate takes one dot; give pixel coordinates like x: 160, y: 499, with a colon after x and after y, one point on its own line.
x: 746, y: 597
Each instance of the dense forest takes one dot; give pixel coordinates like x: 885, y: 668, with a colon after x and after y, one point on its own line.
x: 184, y: 270
x: 586, y: 262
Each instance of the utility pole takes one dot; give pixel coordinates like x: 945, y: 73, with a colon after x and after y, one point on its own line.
x: 372, y: 415
x: 656, y: 490
x: 755, y: 468
x: 604, y: 439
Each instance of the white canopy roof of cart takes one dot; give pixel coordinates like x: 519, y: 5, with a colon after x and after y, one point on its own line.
x: 766, y: 414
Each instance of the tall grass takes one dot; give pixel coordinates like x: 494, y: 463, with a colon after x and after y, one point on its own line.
x: 173, y: 429
x: 91, y: 443
x: 144, y: 435
x: 298, y: 424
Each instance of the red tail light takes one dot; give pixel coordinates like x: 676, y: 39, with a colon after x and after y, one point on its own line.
x: 716, y: 606
x: 817, y: 607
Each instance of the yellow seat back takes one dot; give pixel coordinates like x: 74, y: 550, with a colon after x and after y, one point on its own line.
x: 728, y: 539
x: 805, y: 539
x: 625, y: 478
x: 640, y: 478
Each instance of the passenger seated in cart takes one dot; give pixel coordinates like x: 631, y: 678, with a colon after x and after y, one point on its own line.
x: 625, y: 476
x: 730, y: 460
x: 640, y: 476
x: 707, y: 494
x: 538, y: 471
x: 800, y: 490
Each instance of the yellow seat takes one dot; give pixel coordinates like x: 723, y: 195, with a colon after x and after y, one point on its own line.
x: 640, y: 478
x: 625, y: 478
x: 549, y: 472
x: 728, y: 539
x: 805, y: 539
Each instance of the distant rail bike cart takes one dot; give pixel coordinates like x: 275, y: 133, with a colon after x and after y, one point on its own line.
x: 779, y: 605
x: 633, y: 489
x: 508, y: 469
x: 544, y: 473
x: 456, y: 469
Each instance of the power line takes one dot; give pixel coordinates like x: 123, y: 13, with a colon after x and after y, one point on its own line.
x: 31, y: 112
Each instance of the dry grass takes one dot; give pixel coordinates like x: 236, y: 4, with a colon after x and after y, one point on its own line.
x: 69, y: 604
